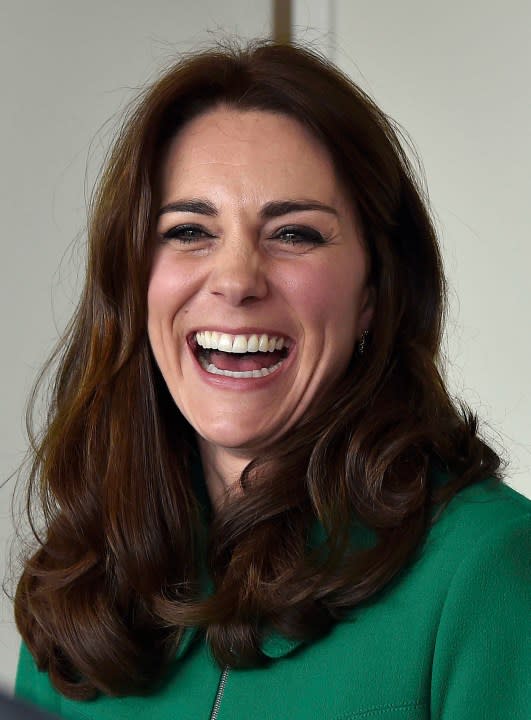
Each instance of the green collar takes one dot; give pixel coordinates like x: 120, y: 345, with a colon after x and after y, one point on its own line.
x: 275, y: 645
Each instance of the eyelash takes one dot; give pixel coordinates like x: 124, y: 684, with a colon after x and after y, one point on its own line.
x: 309, y: 236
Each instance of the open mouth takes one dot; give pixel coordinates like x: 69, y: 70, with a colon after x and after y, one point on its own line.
x: 239, y: 365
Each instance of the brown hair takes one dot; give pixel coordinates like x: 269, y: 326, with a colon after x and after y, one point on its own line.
x: 103, y: 601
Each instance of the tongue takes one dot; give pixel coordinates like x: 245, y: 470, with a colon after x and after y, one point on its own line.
x: 246, y: 361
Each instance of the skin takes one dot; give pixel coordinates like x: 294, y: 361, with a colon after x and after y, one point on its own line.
x: 241, y: 271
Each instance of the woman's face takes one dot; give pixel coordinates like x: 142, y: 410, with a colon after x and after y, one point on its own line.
x: 235, y: 256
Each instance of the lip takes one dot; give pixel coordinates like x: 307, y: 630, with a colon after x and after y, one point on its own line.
x: 230, y: 383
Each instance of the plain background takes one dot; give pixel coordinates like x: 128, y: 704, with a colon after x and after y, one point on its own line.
x: 454, y: 75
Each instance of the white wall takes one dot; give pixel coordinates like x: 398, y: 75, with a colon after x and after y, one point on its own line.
x: 66, y: 67
x: 455, y: 75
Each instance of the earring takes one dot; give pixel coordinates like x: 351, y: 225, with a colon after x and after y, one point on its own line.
x: 362, y: 345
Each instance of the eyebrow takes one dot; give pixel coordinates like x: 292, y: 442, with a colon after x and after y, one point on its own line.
x: 272, y: 209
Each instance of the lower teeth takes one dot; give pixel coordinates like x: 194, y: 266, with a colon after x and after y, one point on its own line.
x: 209, y: 367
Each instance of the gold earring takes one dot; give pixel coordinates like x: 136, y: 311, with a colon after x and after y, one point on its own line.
x: 362, y: 345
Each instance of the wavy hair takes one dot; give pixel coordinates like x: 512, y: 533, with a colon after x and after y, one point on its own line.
x: 118, y: 572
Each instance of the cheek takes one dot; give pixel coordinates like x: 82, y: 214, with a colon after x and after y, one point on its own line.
x: 162, y: 305
x: 329, y: 295
x: 166, y: 290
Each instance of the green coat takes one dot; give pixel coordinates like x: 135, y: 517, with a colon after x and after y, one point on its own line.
x: 448, y: 640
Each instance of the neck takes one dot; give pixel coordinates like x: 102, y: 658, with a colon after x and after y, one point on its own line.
x: 222, y: 469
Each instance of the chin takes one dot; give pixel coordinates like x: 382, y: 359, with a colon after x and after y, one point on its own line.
x: 233, y: 438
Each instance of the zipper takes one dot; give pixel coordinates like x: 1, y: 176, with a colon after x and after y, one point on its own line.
x: 219, y: 694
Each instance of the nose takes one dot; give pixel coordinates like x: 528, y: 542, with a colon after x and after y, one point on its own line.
x: 238, y: 273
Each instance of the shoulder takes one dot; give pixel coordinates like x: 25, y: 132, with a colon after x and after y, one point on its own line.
x: 490, y: 497
x: 478, y: 514
x: 486, y: 527
x: 471, y: 569
x: 479, y: 551
x: 480, y: 541
x: 487, y: 523
x: 461, y: 606
x: 481, y: 655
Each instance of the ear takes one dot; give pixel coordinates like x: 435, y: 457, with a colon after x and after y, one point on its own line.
x: 366, y: 311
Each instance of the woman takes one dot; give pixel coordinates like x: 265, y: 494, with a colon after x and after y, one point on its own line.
x: 260, y: 500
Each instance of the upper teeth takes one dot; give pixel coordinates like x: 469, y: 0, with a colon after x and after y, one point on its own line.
x: 239, y: 343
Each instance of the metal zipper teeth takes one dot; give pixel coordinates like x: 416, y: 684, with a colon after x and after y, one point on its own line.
x: 219, y: 694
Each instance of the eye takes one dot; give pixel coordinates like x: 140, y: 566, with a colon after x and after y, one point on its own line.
x: 185, y: 233
x: 292, y: 235
x: 295, y: 235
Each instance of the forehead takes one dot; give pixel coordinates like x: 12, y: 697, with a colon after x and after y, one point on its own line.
x: 249, y: 152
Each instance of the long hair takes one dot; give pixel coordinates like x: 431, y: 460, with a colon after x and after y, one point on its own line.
x: 119, y: 570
